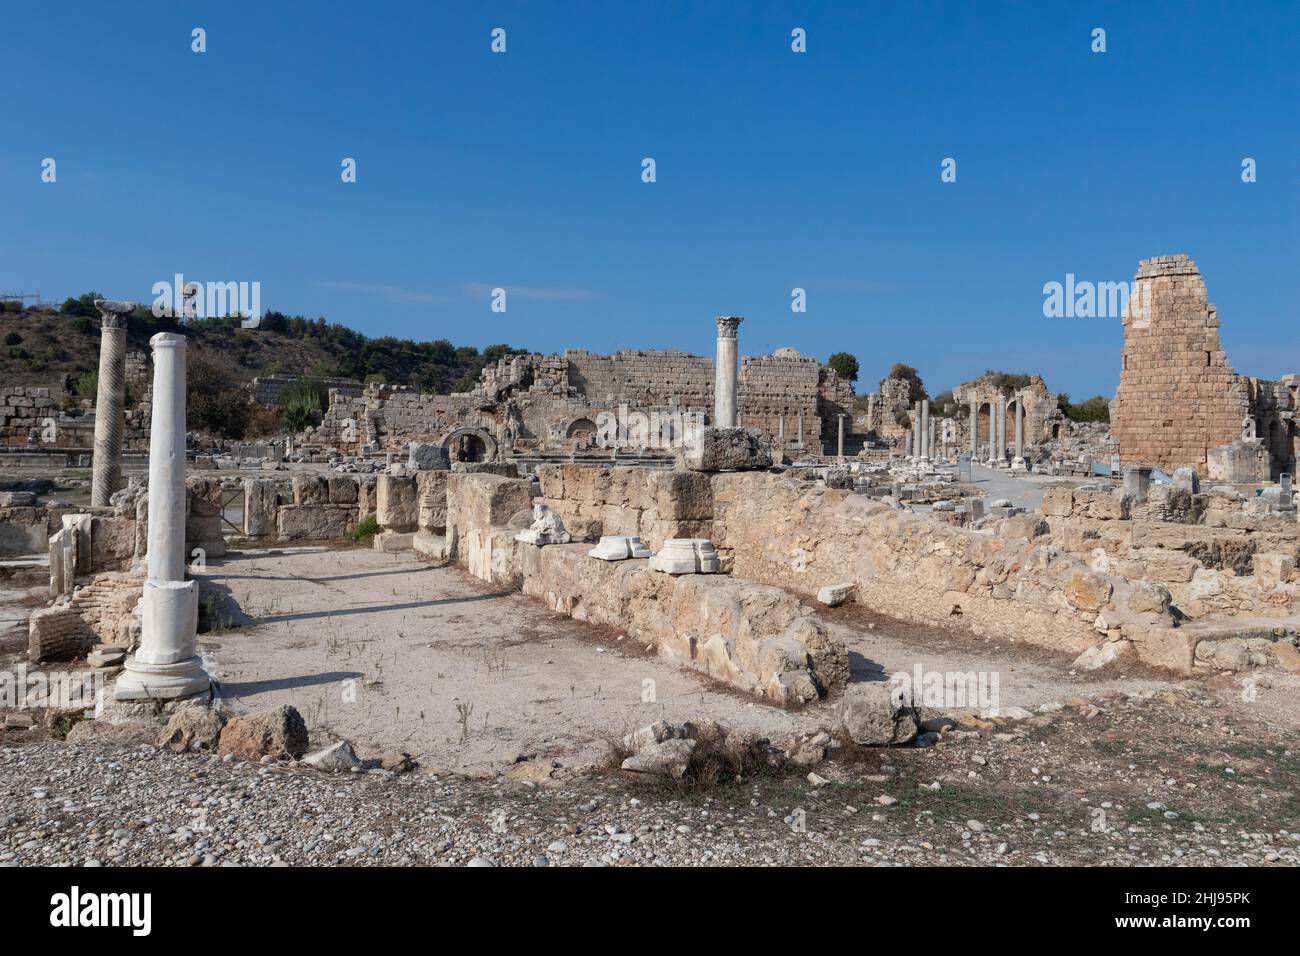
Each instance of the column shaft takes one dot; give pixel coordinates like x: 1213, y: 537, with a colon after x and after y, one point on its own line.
x: 110, y: 400
x: 724, y: 381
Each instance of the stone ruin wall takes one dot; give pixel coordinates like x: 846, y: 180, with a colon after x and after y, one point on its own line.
x: 1178, y: 398
x: 27, y: 411
x: 547, y: 401
x: 802, y: 537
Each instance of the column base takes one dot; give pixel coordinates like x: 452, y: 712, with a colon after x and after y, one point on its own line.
x: 1018, y: 464
x: 141, y: 681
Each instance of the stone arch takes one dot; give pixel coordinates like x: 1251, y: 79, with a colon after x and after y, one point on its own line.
x: 581, y: 427
x: 470, y: 444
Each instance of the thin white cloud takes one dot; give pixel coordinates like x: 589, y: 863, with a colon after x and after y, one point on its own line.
x: 389, y: 293
x: 477, y: 290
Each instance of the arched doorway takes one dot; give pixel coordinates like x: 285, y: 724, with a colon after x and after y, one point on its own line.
x: 581, y: 428
x: 470, y: 444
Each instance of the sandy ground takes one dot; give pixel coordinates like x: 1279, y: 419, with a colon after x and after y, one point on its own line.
x: 395, y: 654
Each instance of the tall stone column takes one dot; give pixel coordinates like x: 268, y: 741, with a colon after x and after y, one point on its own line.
x: 801, y: 428
x: 724, y: 373
x: 840, y: 443
x: 925, y: 429
x: 109, y: 401
x: 974, y: 430
x: 915, y: 450
x: 1002, y: 428
x: 1018, y: 463
x: 165, y: 666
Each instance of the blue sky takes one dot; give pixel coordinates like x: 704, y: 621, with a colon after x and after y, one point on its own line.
x: 775, y: 170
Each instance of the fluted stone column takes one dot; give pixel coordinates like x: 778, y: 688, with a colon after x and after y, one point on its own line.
x: 165, y: 666
x: 724, y: 380
x: 109, y: 401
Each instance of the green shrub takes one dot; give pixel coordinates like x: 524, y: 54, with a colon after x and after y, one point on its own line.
x: 367, y: 528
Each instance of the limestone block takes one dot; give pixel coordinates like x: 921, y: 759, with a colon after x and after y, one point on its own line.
x: 1058, y: 501
x: 366, y: 485
x: 260, y: 502
x: 426, y: 456
x: 315, y: 522
x: 310, y: 490
x: 833, y: 595
x: 681, y: 495
x: 1271, y: 569
x: 112, y: 543
x: 396, y: 504
x: 726, y: 449
x: 878, y: 715
x: 342, y: 489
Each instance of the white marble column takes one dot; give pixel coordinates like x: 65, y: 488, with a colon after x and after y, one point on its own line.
x: 1002, y: 428
x: 925, y: 429
x: 974, y: 429
x: 110, y: 400
x: 165, y: 665
x: 1018, y: 463
x: 840, y: 443
x: 724, y: 373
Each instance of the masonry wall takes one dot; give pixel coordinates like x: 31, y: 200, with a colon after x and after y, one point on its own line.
x: 801, y: 537
x: 1178, y: 397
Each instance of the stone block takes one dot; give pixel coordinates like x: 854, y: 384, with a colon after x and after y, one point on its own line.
x: 342, y: 489
x: 315, y: 522
x: 396, y: 504
x: 726, y: 449
x: 426, y: 456
x: 310, y: 490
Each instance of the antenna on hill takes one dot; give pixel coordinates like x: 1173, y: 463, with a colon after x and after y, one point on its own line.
x: 21, y: 297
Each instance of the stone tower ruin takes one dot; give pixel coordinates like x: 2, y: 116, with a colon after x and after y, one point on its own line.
x: 1179, y: 403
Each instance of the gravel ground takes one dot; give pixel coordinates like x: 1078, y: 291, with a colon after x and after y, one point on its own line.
x: 1179, y: 777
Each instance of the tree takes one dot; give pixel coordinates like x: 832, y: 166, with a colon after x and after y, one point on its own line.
x: 915, y: 387
x: 1095, y: 409
x: 214, y: 403
x: 845, y: 365
x: 82, y: 305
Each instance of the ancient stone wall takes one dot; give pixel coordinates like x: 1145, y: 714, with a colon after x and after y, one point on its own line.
x: 654, y: 503
x: 532, y: 402
x: 802, y: 537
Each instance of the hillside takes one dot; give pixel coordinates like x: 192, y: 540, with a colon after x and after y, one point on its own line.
x: 39, y: 347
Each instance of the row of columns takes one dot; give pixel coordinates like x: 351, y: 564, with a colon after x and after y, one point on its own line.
x: 998, y: 430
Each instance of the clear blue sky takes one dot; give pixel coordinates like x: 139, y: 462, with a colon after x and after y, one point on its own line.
x: 775, y: 170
